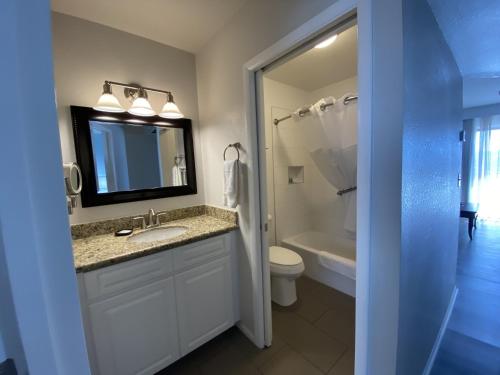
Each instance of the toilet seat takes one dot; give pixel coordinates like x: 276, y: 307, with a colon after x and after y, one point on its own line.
x: 284, y: 261
x: 282, y: 256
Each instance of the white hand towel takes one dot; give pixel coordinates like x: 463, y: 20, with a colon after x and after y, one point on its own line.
x: 176, y: 176
x: 231, y: 176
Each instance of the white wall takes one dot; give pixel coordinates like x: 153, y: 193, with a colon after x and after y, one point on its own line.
x: 35, y: 234
x: 313, y: 205
x: 256, y: 26
x: 430, y: 203
x: 378, y: 240
x: 287, y: 203
x: 482, y: 111
x: 86, y: 54
x: 336, y: 89
x: 467, y: 153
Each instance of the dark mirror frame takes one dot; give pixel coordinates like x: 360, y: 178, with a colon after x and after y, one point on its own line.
x: 81, y: 117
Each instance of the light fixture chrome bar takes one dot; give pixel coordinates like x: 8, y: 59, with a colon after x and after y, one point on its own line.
x: 137, y: 87
x: 303, y: 112
x: 348, y: 190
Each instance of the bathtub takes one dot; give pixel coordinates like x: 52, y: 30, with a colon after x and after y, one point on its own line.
x: 331, y: 261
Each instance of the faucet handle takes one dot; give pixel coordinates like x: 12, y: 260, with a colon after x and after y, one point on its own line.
x: 143, y: 221
x: 158, y: 215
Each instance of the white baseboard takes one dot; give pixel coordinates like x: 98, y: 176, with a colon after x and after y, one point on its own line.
x: 247, y: 332
x: 442, y: 330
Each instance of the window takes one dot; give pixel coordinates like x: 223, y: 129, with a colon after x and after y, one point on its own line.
x: 485, y: 167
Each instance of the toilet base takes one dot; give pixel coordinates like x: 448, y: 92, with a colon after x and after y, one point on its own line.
x: 283, y: 291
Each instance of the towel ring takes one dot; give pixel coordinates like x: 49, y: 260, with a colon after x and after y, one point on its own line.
x: 235, y: 146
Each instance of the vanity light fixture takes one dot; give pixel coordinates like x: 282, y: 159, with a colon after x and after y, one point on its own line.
x: 140, y: 104
x: 108, y: 102
x: 170, y: 109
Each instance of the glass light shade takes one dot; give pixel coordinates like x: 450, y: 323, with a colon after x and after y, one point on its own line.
x: 108, y: 103
x: 170, y: 110
x: 141, y: 107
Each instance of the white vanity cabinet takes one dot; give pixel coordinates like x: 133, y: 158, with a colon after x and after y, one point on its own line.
x: 144, y: 314
x: 136, y: 331
x: 204, y: 303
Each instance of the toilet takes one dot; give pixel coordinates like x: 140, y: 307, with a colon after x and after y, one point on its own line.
x: 286, y: 267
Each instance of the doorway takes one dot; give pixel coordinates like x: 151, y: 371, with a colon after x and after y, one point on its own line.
x: 311, y: 199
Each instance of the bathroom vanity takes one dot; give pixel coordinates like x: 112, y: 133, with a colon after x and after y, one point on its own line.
x: 146, y: 304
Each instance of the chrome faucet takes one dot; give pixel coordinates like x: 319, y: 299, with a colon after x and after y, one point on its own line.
x: 153, y: 219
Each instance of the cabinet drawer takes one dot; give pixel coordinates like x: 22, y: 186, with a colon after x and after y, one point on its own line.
x: 127, y: 275
x: 200, y: 253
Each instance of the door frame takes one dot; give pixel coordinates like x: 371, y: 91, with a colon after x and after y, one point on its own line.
x: 255, y: 126
x: 42, y: 328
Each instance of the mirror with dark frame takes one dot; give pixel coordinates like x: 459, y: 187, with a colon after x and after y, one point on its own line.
x: 126, y: 158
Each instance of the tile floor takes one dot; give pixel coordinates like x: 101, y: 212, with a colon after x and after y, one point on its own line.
x: 313, y: 336
x: 471, y: 344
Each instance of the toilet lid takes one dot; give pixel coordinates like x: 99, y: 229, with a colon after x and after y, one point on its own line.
x: 285, y: 257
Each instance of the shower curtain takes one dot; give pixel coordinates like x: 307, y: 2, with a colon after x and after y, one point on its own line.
x: 330, y: 136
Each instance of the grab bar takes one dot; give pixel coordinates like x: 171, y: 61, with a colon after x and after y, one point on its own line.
x: 348, y: 190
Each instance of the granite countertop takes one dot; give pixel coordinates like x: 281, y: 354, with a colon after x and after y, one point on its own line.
x: 91, y: 253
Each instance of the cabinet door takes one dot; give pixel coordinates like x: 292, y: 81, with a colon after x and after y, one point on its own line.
x: 136, y: 332
x: 204, y: 303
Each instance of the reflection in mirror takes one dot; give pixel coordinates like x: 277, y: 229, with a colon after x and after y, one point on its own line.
x: 134, y: 157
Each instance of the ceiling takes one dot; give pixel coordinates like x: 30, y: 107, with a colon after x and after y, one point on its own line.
x: 481, y: 91
x: 185, y: 24
x: 472, y: 30
x: 317, y: 68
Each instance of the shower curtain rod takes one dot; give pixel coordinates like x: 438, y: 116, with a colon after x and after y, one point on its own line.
x: 322, y: 107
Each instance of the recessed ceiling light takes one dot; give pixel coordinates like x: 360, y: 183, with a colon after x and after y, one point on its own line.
x: 326, y: 42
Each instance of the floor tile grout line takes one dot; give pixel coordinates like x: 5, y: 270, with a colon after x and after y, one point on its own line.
x: 298, y: 350
x: 338, y: 359
x: 322, y: 315
x: 327, y: 335
x: 273, y: 355
x: 325, y: 332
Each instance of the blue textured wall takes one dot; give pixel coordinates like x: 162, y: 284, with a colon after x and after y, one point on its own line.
x: 430, y: 195
x: 10, y: 340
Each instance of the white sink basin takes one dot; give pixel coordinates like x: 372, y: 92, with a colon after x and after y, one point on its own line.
x: 157, y: 234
